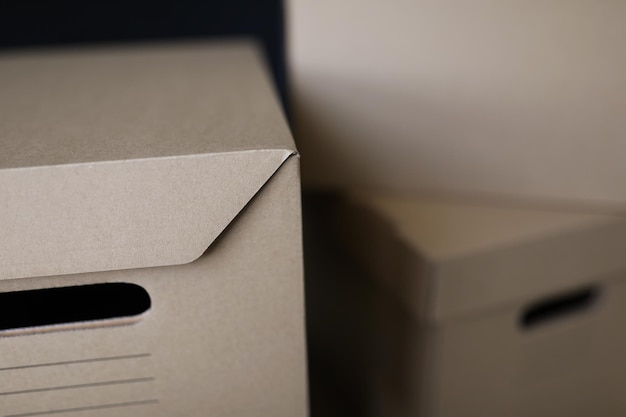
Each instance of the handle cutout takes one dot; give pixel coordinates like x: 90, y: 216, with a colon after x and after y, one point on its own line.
x: 559, y: 306
x: 63, y: 308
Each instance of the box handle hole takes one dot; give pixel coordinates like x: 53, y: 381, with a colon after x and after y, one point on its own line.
x: 557, y: 307
x: 79, y: 306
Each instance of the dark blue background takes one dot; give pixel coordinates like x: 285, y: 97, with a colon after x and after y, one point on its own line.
x: 26, y: 23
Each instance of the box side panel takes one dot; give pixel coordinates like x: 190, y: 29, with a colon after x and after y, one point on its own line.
x: 407, y: 382
x: 404, y: 379
x: 375, y: 244
x: 224, y: 336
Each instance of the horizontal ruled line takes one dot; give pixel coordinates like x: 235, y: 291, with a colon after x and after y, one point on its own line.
x: 77, y: 361
x: 87, y: 385
x: 90, y: 408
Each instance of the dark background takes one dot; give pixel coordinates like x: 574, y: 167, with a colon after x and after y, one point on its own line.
x: 78, y: 22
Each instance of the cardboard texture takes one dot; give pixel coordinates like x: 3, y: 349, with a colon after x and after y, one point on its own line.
x: 492, y: 310
x: 133, y: 162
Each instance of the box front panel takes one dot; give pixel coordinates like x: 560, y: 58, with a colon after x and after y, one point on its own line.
x: 224, y: 335
x: 561, y: 357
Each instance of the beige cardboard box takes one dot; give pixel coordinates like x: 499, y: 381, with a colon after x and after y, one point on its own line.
x: 492, y: 310
x: 132, y: 162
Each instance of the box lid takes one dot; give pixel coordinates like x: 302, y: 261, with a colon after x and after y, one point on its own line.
x: 453, y: 258
x: 114, y: 158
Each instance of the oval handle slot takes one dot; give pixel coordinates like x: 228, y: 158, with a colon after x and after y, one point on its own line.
x: 65, y: 307
x: 559, y: 306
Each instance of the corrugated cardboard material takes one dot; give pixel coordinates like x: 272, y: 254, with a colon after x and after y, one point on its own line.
x: 133, y: 161
x: 457, y: 280
x: 513, y: 99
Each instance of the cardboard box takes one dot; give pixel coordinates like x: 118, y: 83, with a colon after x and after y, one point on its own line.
x: 491, y: 310
x: 123, y: 165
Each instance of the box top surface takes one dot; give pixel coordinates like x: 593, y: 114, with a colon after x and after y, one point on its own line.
x: 117, y: 158
x: 71, y: 106
x: 464, y: 257
x: 443, y: 229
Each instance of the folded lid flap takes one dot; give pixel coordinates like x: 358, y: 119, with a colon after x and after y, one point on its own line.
x: 126, y: 214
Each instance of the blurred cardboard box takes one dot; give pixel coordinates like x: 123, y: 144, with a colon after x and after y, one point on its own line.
x: 487, y: 310
x: 119, y: 167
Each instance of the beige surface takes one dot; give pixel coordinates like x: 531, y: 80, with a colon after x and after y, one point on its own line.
x: 134, y: 157
x: 224, y: 335
x: 444, y: 229
x: 145, y: 101
x: 517, y: 99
